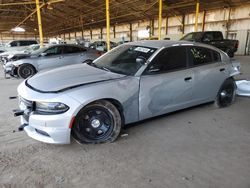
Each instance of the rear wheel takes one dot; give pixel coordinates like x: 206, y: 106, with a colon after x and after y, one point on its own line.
x: 98, y: 122
x: 226, y: 95
x: 25, y: 70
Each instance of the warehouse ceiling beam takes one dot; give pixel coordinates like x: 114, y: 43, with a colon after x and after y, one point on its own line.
x: 40, y: 6
x: 19, y: 3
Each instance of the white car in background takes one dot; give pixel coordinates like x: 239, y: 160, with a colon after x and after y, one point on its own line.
x: 18, y: 54
x: 50, y: 57
x: 17, y: 45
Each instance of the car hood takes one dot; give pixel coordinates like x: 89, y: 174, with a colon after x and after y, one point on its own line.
x: 67, y: 77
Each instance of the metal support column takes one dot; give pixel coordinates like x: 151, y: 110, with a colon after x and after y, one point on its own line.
x: 160, y: 20
x: 203, y: 20
x: 183, y: 24
x: 101, y: 33
x: 114, y: 31
x: 197, y: 15
x: 130, y: 32
x: 39, y: 19
x: 107, y: 25
x: 166, y: 32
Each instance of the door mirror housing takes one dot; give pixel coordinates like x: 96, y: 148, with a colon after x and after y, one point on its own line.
x: 141, y: 60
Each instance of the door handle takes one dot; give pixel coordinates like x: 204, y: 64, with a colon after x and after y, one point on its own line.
x: 188, y: 79
x: 222, y: 69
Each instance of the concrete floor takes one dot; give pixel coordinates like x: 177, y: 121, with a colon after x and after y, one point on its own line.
x: 201, y: 147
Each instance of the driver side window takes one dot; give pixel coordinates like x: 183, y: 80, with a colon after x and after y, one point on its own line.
x: 57, y: 50
x: 168, y: 60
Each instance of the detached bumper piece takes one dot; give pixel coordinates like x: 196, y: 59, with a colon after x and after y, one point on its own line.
x: 21, y: 128
x: 243, y: 88
x: 18, y: 112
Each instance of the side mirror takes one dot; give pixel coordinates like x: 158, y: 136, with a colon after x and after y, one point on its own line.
x: 43, y: 54
x: 141, y: 60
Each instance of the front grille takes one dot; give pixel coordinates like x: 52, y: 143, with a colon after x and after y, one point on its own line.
x: 42, y: 132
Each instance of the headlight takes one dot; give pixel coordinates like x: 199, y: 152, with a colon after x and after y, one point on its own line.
x: 51, y: 107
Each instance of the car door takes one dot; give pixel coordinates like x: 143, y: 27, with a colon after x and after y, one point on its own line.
x: 52, y: 58
x: 166, y: 85
x: 73, y: 55
x: 209, y: 73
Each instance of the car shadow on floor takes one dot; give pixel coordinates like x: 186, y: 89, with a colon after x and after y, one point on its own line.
x: 128, y: 126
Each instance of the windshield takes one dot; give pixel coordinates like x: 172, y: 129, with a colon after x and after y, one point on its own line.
x: 39, y: 51
x: 192, y: 36
x: 122, y: 59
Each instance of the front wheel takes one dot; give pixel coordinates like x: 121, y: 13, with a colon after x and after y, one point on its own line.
x: 226, y: 94
x: 26, y: 70
x: 98, y: 122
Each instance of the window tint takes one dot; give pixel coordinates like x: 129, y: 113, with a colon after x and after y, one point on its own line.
x: 200, y: 56
x: 216, y: 56
x: 193, y: 36
x: 217, y: 36
x: 169, y: 59
x: 54, y: 51
x: 27, y: 42
x: 73, y: 49
x: 208, y: 37
x: 13, y: 43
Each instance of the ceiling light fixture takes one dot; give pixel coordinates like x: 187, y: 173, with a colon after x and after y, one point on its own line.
x: 18, y: 29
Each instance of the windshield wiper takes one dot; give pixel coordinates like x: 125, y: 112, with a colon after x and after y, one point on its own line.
x: 106, y: 69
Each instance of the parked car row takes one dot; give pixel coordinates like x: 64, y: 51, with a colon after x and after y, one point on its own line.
x: 48, y: 57
x: 92, y: 102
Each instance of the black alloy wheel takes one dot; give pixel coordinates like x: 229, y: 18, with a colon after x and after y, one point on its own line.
x: 226, y: 94
x: 97, y: 123
x: 25, y: 71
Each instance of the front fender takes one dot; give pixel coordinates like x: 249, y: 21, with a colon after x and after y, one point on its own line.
x: 125, y: 91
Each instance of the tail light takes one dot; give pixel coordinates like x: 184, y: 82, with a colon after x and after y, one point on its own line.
x: 237, y: 44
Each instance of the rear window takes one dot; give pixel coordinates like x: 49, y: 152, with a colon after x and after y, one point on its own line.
x: 27, y: 42
x: 73, y: 49
x: 192, y: 36
x: 200, y: 56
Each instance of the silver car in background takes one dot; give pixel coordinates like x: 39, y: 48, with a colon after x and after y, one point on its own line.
x: 49, y: 57
x: 132, y: 82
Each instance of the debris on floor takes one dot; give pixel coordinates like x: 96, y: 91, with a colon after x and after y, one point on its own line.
x: 124, y: 135
x: 243, y: 88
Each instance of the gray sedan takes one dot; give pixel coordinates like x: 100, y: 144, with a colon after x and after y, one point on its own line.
x: 132, y: 82
x: 49, y: 57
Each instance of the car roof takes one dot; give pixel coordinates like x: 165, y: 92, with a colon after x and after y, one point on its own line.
x: 167, y: 43
x: 75, y: 45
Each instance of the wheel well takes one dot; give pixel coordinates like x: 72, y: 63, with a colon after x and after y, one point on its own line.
x: 119, y: 107
x: 29, y: 65
x: 116, y: 103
